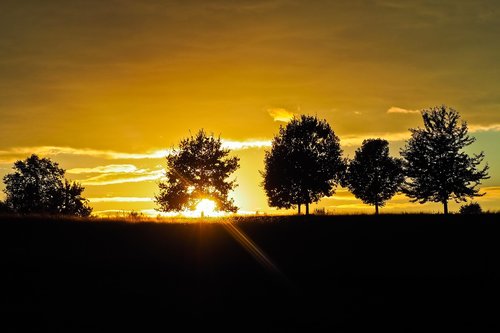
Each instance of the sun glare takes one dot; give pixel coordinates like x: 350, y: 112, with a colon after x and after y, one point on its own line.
x: 206, y: 207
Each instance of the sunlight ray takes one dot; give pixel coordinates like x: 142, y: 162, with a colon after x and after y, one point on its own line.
x: 251, y: 247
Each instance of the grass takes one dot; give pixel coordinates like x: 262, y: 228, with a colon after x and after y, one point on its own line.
x: 406, y: 273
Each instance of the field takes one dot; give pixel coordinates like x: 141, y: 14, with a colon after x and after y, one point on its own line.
x: 405, y: 273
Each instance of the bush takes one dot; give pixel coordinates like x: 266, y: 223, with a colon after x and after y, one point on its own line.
x: 471, y: 208
x: 320, y: 211
x: 135, y: 216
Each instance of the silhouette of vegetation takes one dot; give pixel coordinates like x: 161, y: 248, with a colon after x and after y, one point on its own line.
x: 373, y: 176
x: 471, y: 208
x: 437, y: 168
x: 320, y: 211
x: 303, y: 165
x: 38, y: 186
x: 135, y: 216
x: 4, y: 208
x: 402, y: 271
x: 198, y: 170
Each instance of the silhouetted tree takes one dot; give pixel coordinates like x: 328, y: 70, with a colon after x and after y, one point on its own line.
x: 437, y: 168
x: 198, y: 170
x: 71, y: 200
x: 471, y: 208
x: 38, y: 186
x: 373, y: 176
x: 303, y: 165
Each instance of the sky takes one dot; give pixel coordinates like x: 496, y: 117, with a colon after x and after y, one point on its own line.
x: 105, y: 88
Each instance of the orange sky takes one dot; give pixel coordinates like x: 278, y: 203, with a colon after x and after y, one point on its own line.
x: 103, y: 87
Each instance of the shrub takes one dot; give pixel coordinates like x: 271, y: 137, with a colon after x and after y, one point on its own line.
x: 471, y: 208
x: 320, y: 211
x: 136, y: 216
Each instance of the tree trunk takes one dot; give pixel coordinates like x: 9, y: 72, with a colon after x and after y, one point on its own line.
x: 307, y: 208
x: 445, y: 206
x: 299, y: 208
x: 376, y: 209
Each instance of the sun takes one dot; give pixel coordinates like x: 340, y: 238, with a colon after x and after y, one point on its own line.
x: 206, y: 207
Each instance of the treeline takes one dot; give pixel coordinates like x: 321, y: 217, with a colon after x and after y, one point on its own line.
x: 304, y: 164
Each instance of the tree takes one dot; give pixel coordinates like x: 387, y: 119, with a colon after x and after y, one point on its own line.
x: 198, y: 170
x: 38, y: 186
x: 373, y: 176
x: 71, y: 200
x: 437, y: 168
x: 303, y: 165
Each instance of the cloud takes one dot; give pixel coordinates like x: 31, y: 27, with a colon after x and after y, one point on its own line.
x: 121, y: 199
x: 280, y: 114
x: 345, y: 202
x: 12, y: 154
x: 111, y: 179
x: 484, y: 128
x: 395, y: 109
x: 492, y: 193
x: 116, y: 174
x: 341, y: 194
x: 112, y: 168
x: 15, y: 153
x: 241, y: 145
x: 121, y: 213
x: 357, y: 140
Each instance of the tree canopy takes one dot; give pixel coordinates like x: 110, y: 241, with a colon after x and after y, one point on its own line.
x: 198, y: 169
x: 38, y: 186
x: 436, y: 166
x: 373, y: 176
x: 303, y: 165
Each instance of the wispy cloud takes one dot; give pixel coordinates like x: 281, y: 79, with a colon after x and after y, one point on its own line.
x: 280, y: 114
x: 120, y: 199
x: 357, y: 140
x: 112, y: 168
x: 492, y: 193
x: 241, y: 145
x: 122, y: 213
x: 111, y: 179
x: 484, y: 128
x: 12, y: 154
x: 395, y: 109
x: 16, y: 152
x: 116, y: 174
x: 344, y: 201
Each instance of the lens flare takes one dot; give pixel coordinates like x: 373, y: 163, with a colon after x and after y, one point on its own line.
x: 206, y: 207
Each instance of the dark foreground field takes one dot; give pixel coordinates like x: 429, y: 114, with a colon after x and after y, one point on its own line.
x: 406, y: 273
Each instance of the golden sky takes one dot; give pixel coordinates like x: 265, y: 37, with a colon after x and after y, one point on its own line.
x: 105, y: 88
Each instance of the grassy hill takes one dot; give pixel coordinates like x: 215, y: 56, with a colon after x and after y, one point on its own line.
x: 406, y: 273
